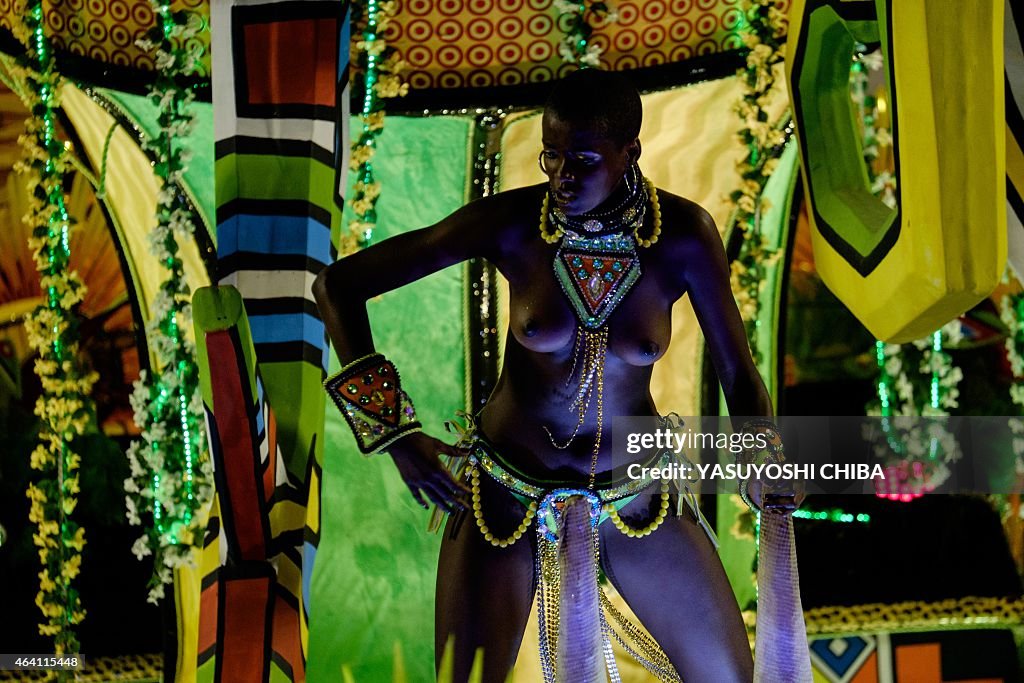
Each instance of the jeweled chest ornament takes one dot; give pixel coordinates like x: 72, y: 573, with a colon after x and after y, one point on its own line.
x: 597, y: 265
x: 596, y: 274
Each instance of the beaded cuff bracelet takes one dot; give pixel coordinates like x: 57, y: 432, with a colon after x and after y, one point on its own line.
x: 773, y: 449
x: 369, y: 394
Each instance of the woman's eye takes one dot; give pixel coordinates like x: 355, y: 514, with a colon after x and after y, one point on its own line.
x: 548, y: 154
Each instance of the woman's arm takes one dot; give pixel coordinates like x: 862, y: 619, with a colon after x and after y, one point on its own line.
x: 706, y: 272
x: 342, y: 289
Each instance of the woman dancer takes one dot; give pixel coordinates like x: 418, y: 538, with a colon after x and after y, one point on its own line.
x: 595, y: 259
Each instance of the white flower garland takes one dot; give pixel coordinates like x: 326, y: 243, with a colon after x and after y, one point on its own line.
x: 1011, y: 311
x: 927, y: 444
x: 575, y: 46
x: 876, y: 138
x: 170, y: 471
x: 765, y: 30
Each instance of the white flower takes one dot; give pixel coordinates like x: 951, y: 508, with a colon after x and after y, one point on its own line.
x: 156, y: 594
x: 164, y: 60
x: 592, y: 55
x: 141, y: 547
x: 566, y: 52
x: 873, y: 61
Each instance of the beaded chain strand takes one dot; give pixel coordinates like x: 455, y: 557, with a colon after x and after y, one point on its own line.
x: 478, y: 515
x: 613, y: 515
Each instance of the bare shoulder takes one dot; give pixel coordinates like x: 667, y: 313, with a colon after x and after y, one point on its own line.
x: 486, y: 226
x: 685, y: 224
x: 514, y: 214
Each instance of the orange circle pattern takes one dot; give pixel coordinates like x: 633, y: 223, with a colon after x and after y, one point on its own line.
x: 447, y: 43
x: 106, y: 30
x: 483, y: 43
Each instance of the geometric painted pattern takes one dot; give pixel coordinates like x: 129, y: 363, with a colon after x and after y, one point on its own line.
x: 280, y: 91
x: 981, y: 655
x: 840, y: 659
x: 1014, y: 84
x: 252, y: 620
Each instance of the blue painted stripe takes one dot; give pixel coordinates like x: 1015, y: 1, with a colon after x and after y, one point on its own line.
x: 274, y: 235
x: 289, y: 327
x: 259, y: 407
x: 308, y: 560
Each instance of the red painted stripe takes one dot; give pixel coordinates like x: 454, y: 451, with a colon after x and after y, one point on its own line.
x: 208, y: 618
x: 231, y: 412
x: 244, y: 632
x: 287, y: 638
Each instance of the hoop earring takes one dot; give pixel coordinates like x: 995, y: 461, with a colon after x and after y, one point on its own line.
x: 540, y: 162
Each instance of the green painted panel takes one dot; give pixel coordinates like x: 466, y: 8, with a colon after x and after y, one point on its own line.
x: 373, y: 582
x: 199, y: 176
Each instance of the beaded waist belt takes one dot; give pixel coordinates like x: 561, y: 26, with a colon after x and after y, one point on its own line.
x: 486, y: 457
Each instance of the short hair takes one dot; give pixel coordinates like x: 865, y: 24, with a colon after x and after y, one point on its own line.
x: 603, y: 100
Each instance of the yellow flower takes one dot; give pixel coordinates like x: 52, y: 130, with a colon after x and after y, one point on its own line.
x: 390, y: 86
x: 45, y: 582
x: 72, y: 567
x: 394, y: 64
x: 71, y: 485
x: 359, y: 156
x: 348, y: 244
x: 78, y: 541
x: 375, y: 120
x: 361, y: 206
x: 371, y: 47
x: 41, y: 458
x: 369, y: 191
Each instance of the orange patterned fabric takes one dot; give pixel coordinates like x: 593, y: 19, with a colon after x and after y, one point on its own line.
x: 106, y: 30
x: 482, y: 43
x: 447, y: 43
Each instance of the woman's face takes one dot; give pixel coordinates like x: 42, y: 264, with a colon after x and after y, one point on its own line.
x: 583, y: 166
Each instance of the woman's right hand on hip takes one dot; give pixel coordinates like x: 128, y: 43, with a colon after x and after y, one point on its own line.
x: 416, y: 457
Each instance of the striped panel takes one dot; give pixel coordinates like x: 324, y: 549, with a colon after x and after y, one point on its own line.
x: 280, y: 87
x: 1013, y: 42
x: 261, y: 514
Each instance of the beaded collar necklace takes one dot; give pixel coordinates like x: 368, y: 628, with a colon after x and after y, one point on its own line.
x: 628, y: 214
x: 597, y: 265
